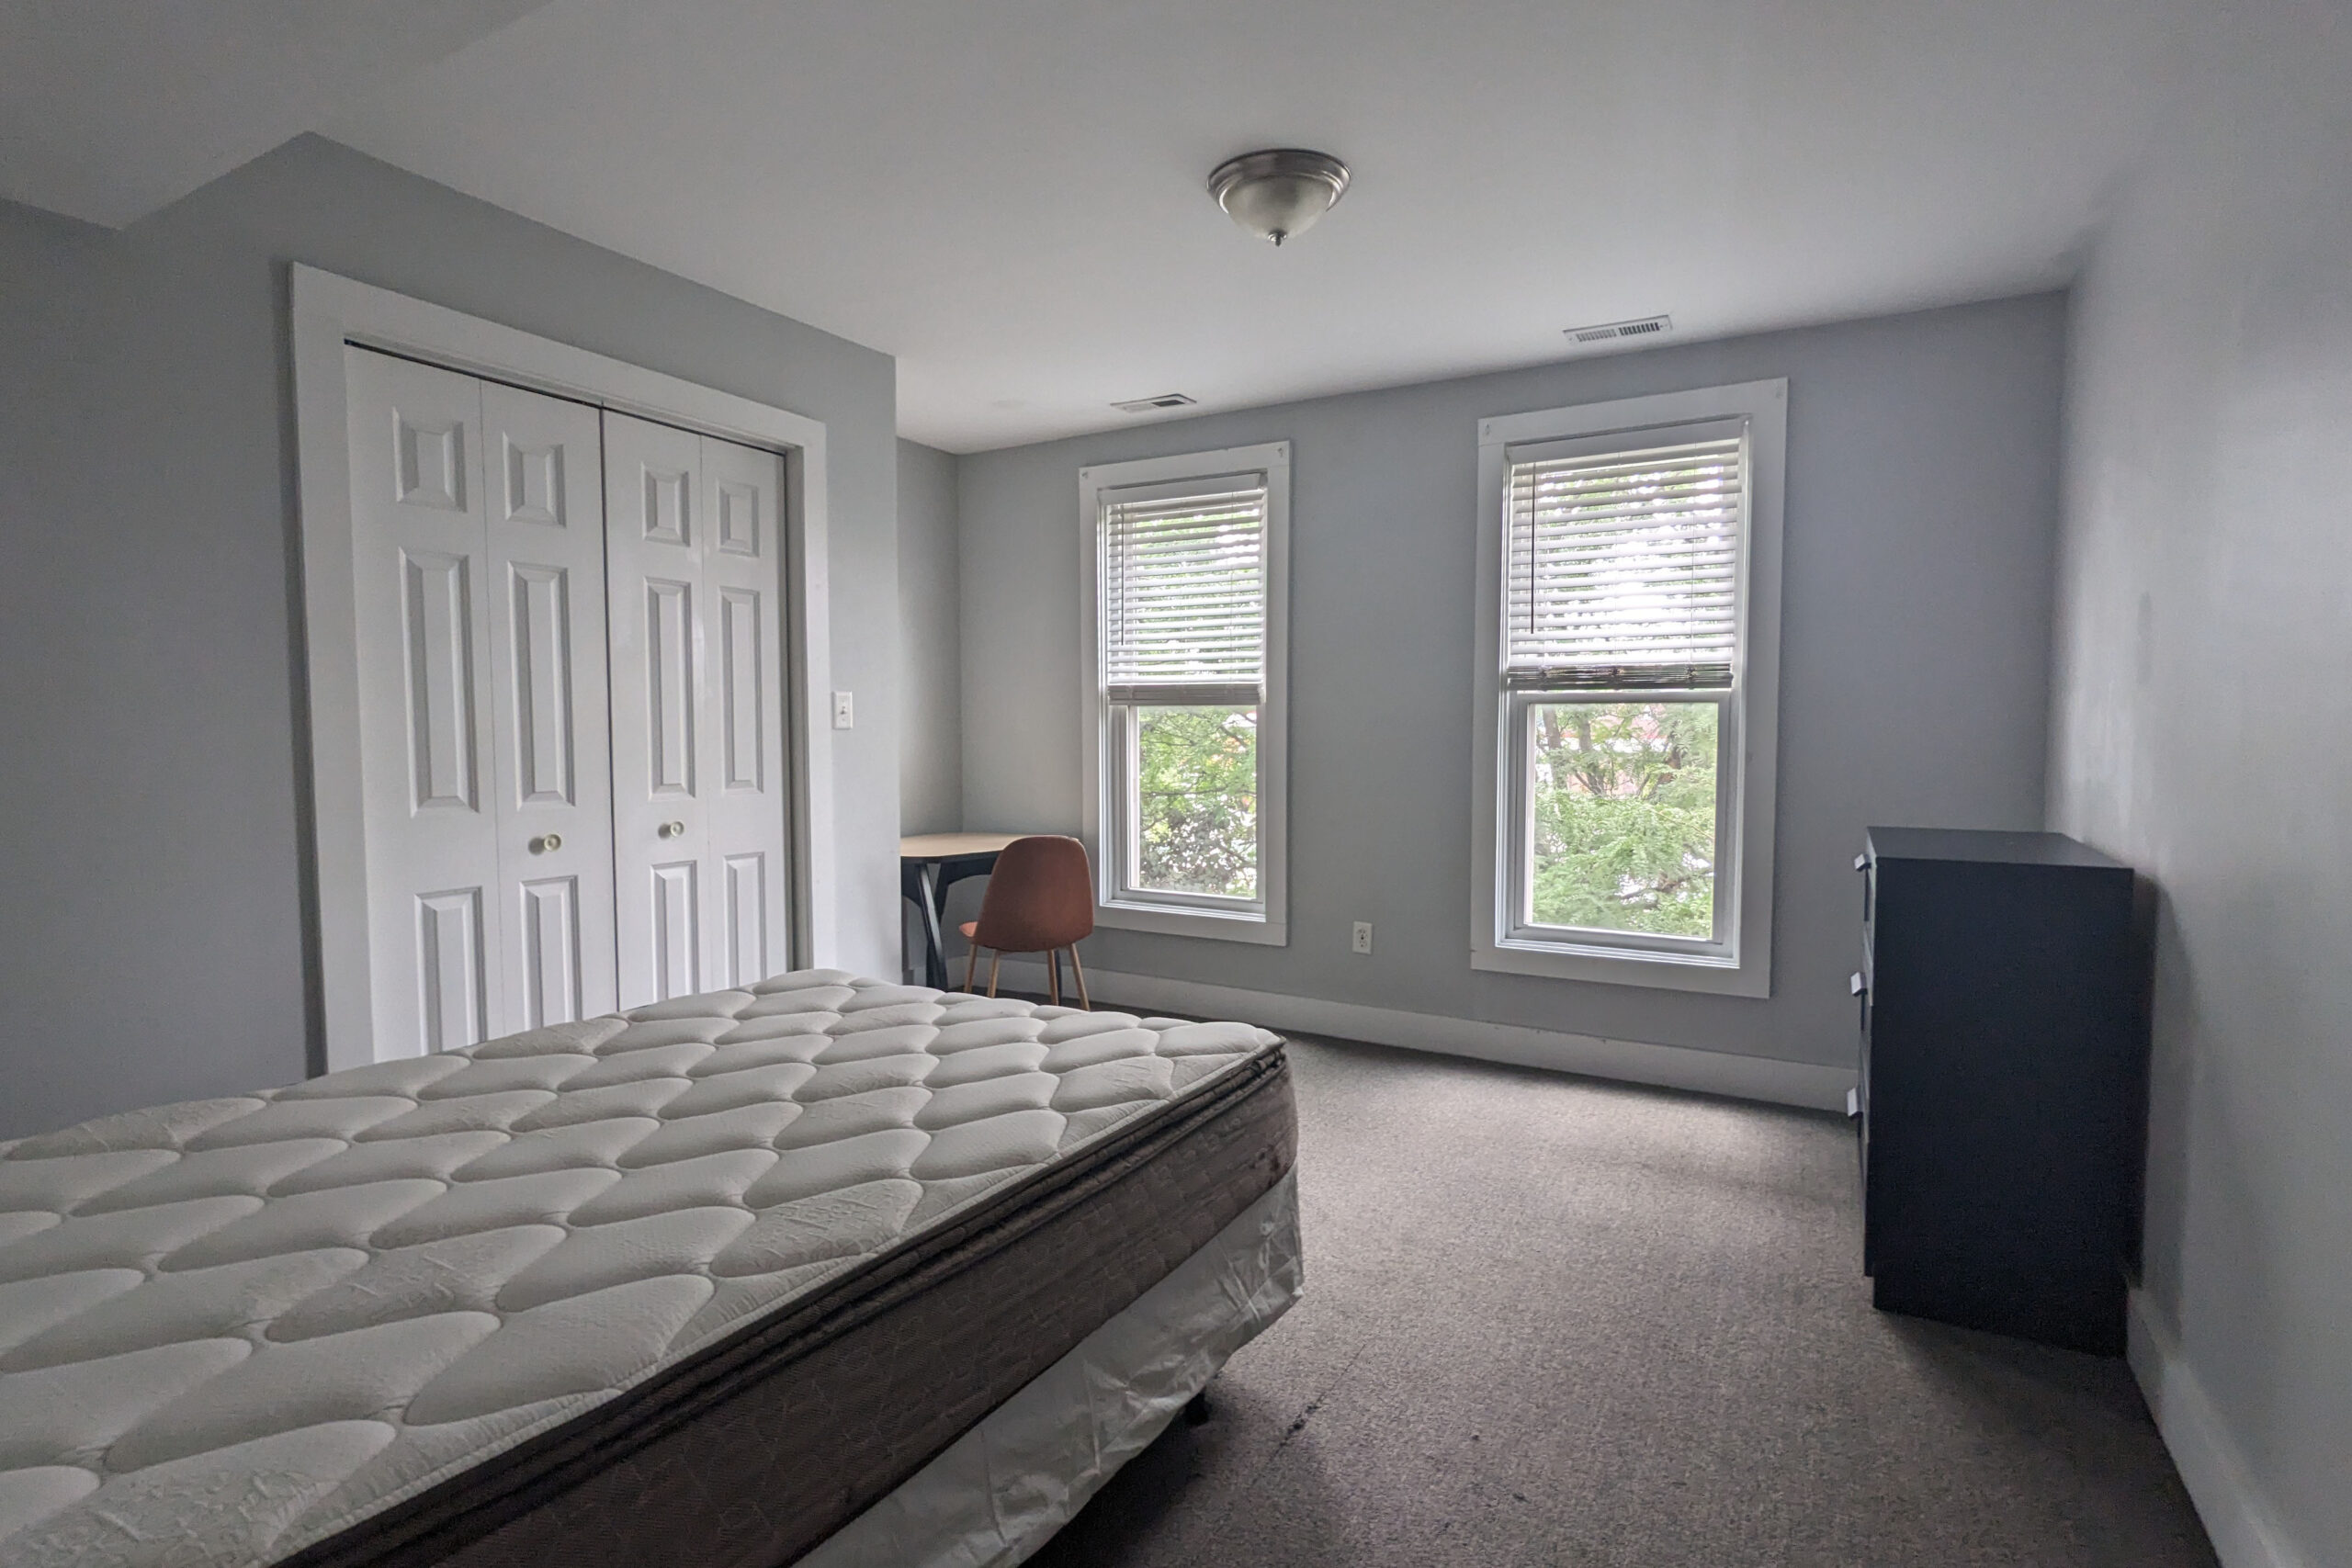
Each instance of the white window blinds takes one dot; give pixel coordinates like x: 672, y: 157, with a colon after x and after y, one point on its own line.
x: 1624, y: 565
x: 1184, y: 594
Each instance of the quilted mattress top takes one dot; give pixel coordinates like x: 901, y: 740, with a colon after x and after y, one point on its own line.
x: 232, y: 1328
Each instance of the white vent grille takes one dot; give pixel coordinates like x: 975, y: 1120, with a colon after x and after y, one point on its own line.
x: 1610, y: 332
x: 1144, y: 405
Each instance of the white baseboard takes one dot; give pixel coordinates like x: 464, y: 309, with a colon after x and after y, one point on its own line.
x: 1672, y: 1067
x: 2244, y: 1532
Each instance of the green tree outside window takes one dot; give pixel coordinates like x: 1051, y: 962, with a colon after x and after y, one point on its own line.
x: 1625, y: 816
x: 1196, y: 787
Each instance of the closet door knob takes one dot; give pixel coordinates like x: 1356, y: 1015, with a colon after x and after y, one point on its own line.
x: 547, y: 843
x: 671, y: 830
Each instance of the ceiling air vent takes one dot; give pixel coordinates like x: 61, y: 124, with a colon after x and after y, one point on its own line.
x: 1610, y: 332
x: 1144, y: 405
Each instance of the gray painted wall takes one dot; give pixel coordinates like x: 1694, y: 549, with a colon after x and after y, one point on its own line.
x: 151, y: 782
x: 2202, y: 725
x: 1921, y: 509
x: 931, y: 698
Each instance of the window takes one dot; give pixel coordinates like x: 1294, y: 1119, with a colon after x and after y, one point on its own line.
x: 1185, y: 710
x: 1629, y: 564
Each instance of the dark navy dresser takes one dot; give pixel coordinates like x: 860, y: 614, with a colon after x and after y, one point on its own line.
x: 2003, y: 1092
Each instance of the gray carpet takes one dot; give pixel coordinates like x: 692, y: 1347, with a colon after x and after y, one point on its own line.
x: 1551, y: 1321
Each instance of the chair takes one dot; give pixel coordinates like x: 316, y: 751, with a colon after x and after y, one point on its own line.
x: 1040, y: 898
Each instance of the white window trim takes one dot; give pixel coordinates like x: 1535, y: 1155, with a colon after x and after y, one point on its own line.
x: 1744, y: 967
x: 1269, y: 924
x: 329, y: 311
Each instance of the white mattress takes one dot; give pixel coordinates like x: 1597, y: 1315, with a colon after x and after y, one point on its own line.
x: 231, y: 1329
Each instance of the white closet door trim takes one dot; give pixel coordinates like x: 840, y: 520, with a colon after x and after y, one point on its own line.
x: 330, y: 311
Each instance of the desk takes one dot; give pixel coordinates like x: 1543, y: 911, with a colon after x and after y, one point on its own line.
x: 929, y: 864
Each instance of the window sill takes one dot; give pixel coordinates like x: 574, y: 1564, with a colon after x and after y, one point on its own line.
x: 1212, y: 923
x: 1624, y: 967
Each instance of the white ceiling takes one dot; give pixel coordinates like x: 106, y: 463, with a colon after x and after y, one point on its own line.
x: 112, y: 108
x: 1007, y: 196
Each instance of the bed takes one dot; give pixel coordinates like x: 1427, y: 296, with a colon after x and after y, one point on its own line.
x: 822, y: 1270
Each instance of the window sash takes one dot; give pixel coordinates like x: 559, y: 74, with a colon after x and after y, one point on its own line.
x: 1522, y: 928
x: 1174, y: 695
x: 1184, y: 608
x: 1126, y: 832
x: 1624, y: 560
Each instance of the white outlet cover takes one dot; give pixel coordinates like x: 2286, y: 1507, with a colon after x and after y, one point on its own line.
x: 1362, y: 938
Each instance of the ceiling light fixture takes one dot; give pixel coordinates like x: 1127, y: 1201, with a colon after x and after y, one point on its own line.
x: 1280, y: 192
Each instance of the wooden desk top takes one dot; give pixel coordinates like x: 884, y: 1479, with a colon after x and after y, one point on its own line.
x: 947, y: 846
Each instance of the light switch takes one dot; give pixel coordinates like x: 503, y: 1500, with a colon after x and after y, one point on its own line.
x: 845, y: 711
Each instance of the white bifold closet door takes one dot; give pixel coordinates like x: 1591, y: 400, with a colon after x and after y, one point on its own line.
x: 479, y: 541
x: 700, y: 799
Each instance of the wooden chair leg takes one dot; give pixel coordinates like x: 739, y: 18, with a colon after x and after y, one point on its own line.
x: 995, y: 958
x: 971, y: 962
x: 1079, y: 970
x: 1054, y: 975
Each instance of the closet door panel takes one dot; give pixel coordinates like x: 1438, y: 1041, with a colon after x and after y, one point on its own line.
x: 423, y: 588
x: 655, y: 531
x: 550, y: 706
x: 748, y: 802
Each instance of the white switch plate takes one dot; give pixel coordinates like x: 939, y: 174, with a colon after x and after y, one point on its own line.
x: 1362, y: 942
x: 845, y: 711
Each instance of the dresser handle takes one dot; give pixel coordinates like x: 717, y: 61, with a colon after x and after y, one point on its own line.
x: 1854, y: 982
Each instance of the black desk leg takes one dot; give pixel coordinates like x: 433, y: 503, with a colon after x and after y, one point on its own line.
x: 934, y: 958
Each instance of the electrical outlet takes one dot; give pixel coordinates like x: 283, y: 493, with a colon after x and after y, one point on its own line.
x: 1362, y: 942
x: 845, y: 711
